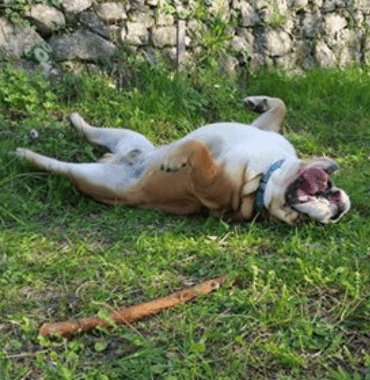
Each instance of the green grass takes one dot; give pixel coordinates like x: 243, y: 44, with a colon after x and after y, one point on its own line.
x: 301, y: 305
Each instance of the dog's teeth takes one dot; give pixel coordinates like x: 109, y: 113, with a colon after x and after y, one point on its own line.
x: 303, y: 199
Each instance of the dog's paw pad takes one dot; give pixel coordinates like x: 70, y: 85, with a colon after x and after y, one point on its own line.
x: 250, y: 104
x: 256, y: 104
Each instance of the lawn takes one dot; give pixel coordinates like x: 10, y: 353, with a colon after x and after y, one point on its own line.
x: 300, y: 307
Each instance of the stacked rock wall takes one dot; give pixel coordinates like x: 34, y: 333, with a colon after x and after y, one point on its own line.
x: 286, y: 33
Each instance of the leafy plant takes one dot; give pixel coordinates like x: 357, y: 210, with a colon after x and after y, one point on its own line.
x: 21, y: 92
x: 15, y: 11
x: 277, y: 18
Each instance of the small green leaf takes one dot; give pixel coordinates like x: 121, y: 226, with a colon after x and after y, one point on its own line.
x: 100, y: 346
x: 198, y: 348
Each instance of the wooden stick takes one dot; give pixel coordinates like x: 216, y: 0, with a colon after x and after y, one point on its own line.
x: 130, y: 314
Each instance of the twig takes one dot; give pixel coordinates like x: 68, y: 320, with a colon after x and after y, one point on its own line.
x: 25, y: 354
x: 26, y: 375
x: 130, y: 314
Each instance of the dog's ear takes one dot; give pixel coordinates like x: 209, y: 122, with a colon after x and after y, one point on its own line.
x: 324, y: 163
x: 252, y: 185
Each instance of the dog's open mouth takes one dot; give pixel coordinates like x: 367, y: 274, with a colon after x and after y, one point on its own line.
x: 313, y: 193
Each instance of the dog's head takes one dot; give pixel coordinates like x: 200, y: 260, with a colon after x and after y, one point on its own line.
x: 304, y: 190
x: 314, y: 194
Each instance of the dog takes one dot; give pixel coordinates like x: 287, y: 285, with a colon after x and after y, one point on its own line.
x: 232, y: 170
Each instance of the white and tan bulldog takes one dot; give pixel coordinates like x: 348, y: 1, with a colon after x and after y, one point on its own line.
x: 233, y: 170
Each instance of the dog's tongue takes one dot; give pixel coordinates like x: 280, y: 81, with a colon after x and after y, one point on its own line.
x: 314, y: 181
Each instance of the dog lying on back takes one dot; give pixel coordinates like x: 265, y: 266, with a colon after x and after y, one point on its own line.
x: 233, y: 170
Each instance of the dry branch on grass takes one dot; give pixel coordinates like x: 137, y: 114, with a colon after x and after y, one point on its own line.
x: 130, y: 314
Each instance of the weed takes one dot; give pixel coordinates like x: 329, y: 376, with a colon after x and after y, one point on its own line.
x: 22, y: 93
x: 15, y: 11
x: 214, y: 42
x: 277, y: 18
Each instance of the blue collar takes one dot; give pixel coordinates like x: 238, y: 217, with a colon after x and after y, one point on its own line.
x: 259, y: 204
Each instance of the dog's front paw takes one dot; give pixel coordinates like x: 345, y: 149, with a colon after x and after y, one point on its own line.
x: 173, y: 164
x: 183, y: 156
x: 258, y: 104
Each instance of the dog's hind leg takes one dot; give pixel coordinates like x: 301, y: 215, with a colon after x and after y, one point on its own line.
x: 272, y: 112
x: 105, y: 182
x: 118, y: 141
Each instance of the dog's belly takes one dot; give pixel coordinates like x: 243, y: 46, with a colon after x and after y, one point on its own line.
x: 232, y: 141
x: 236, y: 144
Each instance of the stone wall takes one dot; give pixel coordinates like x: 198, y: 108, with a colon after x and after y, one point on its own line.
x: 292, y: 34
